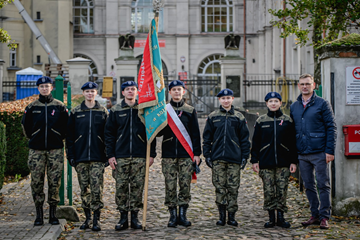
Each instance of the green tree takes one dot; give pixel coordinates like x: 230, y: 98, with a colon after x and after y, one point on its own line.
x: 4, y: 36
x: 333, y: 17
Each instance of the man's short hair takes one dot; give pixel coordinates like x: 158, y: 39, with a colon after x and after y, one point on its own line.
x: 306, y: 75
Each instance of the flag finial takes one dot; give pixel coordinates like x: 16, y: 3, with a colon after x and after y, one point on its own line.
x: 157, y: 5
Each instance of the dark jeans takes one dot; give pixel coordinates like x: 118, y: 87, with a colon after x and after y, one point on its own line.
x: 309, y: 163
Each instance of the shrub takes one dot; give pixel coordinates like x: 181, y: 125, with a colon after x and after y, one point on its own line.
x: 17, y: 145
x: 2, y: 152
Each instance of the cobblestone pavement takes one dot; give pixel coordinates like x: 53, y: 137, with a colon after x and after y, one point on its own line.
x: 17, y: 214
x: 203, y: 214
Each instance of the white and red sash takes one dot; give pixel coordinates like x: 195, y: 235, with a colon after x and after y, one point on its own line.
x: 180, y: 132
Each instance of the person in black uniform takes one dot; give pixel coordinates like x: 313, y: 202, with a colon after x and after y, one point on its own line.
x: 226, y: 150
x: 274, y: 156
x: 177, y: 165
x: 125, y: 138
x: 44, y: 124
x: 86, y: 152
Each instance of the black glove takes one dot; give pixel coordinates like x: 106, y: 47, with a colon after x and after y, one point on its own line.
x: 209, y: 162
x: 196, y: 168
x: 106, y: 164
x: 72, y: 162
x: 243, y: 163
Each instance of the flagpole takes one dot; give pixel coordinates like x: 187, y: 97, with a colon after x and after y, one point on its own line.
x: 157, y: 5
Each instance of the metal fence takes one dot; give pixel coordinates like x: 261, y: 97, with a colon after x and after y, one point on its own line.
x: 256, y: 86
x: 14, y: 90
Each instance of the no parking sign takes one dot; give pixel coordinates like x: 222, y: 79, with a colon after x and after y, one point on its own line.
x: 353, y: 85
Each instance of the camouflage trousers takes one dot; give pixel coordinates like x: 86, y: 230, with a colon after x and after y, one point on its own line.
x: 226, y: 179
x: 275, y: 182
x: 53, y: 162
x: 91, y: 181
x: 174, y: 170
x: 129, y: 176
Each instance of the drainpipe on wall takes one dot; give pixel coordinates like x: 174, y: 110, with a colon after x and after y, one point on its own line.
x: 244, y: 36
x: 284, y: 46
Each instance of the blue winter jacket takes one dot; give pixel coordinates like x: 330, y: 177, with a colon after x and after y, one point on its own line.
x: 314, y: 125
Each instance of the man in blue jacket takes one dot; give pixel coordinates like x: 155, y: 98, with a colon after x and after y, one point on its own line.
x: 315, y: 140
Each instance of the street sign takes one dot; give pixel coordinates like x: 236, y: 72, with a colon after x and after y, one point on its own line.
x: 107, y: 87
x: 353, y: 85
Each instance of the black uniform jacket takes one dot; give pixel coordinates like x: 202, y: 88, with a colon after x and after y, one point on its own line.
x: 125, y: 134
x: 226, y: 136
x: 44, y: 123
x: 171, y: 147
x: 274, y: 141
x: 85, y: 137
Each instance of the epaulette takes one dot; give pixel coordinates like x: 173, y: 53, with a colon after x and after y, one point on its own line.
x: 187, y: 108
x: 56, y: 102
x: 76, y: 109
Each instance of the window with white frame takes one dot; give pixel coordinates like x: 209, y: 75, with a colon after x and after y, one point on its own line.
x: 83, y: 12
x: 217, y: 16
x: 13, y: 57
x: 142, y: 12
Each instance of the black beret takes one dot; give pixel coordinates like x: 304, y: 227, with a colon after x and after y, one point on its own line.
x: 89, y: 85
x: 272, y: 95
x: 44, y: 80
x: 225, y: 92
x: 176, y: 83
x: 128, y: 84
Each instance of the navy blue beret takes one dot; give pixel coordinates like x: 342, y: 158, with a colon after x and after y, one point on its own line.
x: 176, y: 83
x: 44, y: 80
x: 128, y: 84
x: 272, y: 95
x: 225, y: 92
x: 89, y: 85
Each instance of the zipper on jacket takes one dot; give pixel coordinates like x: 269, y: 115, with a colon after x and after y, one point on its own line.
x: 46, y: 125
x: 131, y: 132
x: 275, y: 138
x: 225, y: 134
x: 90, y: 133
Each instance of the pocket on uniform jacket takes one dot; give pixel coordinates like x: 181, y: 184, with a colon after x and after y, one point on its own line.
x: 235, y: 143
x: 264, y: 147
x: 78, y: 138
x: 98, y: 119
x: 166, y: 140
x: 100, y: 139
x: 140, y: 138
x: 119, y: 138
x: 55, y: 132
x: 287, y: 149
x: 317, y: 135
x: 35, y: 132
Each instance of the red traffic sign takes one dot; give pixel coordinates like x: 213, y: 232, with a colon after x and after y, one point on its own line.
x: 356, y: 73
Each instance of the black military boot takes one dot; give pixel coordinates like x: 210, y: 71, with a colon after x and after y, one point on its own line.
x: 231, y: 219
x: 52, y: 216
x: 182, y: 216
x: 39, y: 220
x: 173, y: 217
x: 96, y: 221
x: 271, y: 222
x: 222, y: 214
x: 281, y: 220
x: 123, y: 222
x: 135, y: 221
x: 88, y: 221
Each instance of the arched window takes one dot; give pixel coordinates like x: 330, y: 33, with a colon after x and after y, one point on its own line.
x: 217, y: 16
x: 210, y: 67
x: 83, y: 16
x: 142, y: 12
x: 93, y: 72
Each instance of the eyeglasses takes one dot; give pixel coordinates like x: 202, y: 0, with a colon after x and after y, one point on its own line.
x: 305, y: 84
